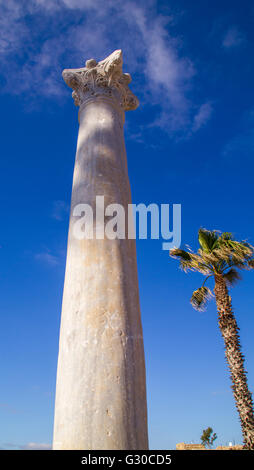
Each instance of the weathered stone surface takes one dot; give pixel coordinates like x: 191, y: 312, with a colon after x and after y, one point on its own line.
x: 183, y: 446
x: 104, y: 78
x: 101, y: 387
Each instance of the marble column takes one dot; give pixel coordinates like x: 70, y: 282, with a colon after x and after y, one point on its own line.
x: 101, y: 386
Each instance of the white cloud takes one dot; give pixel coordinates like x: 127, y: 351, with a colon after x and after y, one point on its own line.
x: 202, y: 116
x: 28, y: 446
x: 232, y: 38
x: 35, y: 446
x: 8, y: 408
x: 168, y: 74
x: 241, y: 146
x: 12, y: 30
x: 47, y: 258
x: 97, y: 28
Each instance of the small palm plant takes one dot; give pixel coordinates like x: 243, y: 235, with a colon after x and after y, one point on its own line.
x: 220, y: 257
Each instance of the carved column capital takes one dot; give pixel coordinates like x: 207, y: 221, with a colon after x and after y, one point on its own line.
x: 104, y: 78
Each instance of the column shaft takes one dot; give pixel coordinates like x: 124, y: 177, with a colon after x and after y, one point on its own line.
x: 100, y: 391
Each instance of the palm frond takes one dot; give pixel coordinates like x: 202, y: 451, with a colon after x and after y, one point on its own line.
x: 200, y: 298
x: 207, y: 239
x: 240, y: 249
x: 182, y: 254
x: 184, y: 258
x: 226, y: 236
x: 234, y: 253
x: 251, y: 264
x: 232, y: 277
x: 197, y: 263
x: 190, y: 261
x: 218, y: 252
x: 209, y: 257
x: 223, y: 253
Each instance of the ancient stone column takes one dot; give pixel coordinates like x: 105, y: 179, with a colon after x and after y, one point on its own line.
x: 101, y: 387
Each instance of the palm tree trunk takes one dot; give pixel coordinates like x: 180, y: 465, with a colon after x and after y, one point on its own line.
x: 235, y: 360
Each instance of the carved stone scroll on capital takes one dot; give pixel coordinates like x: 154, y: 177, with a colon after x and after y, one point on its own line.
x: 102, y: 78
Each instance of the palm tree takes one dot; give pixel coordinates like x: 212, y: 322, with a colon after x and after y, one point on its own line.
x: 220, y: 257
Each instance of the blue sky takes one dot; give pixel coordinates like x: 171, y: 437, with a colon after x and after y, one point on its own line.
x: 190, y: 142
